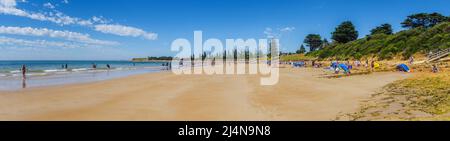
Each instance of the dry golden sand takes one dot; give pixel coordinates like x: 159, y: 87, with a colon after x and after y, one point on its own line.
x: 299, y: 95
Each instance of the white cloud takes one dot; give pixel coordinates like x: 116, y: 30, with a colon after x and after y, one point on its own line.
x: 49, y: 5
x: 44, y: 32
x: 36, y: 43
x: 287, y: 29
x: 100, y: 20
x: 270, y: 33
x: 125, y: 31
x: 8, y: 3
x: 8, y: 7
x: 65, y: 1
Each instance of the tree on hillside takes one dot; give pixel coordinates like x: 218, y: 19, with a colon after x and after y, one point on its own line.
x: 325, y: 43
x: 382, y: 29
x: 302, y: 50
x: 345, y: 32
x: 313, y: 41
x: 423, y: 20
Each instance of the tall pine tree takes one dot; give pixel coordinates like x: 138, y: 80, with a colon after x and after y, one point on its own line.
x: 345, y: 32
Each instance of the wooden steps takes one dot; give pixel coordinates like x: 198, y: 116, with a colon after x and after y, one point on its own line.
x: 438, y: 54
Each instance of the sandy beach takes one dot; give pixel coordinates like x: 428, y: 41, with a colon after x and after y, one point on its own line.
x: 300, y: 95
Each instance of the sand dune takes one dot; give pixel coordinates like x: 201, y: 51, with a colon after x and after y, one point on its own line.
x: 299, y: 95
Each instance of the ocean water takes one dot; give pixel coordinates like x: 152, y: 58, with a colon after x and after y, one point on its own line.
x: 47, y: 73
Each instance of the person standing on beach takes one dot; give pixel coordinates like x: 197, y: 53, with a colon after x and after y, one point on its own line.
x: 372, y: 65
x: 164, y: 66
x: 336, y: 70
x: 435, y: 69
x: 24, y: 71
x: 108, y: 66
x: 411, y: 60
x: 24, y: 77
x: 66, y: 66
x: 357, y: 63
x: 94, y: 66
x: 367, y: 63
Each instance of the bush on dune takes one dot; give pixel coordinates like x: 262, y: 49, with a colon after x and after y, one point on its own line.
x: 296, y: 57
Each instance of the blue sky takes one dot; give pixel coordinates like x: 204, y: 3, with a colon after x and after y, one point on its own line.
x: 122, y: 29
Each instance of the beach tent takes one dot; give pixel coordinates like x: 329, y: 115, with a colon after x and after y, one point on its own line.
x: 298, y: 64
x: 334, y: 65
x: 403, y: 67
x: 344, y: 67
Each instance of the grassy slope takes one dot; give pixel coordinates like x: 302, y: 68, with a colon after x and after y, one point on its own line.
x: 404, y: 43
x: 296, y: 57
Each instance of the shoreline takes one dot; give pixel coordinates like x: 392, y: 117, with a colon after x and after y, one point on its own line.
x: 149, y: 61
x: 76, y: 83
x: 67, y: 78
x: 300, y: 95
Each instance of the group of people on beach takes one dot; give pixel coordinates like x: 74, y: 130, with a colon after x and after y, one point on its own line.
x: 167, y: 65
x: 298, y: 64
x: 64, y: 66
x: 24, y: 69
x: 372, y: 65
x: 316, y: 65
x: 94, y: 66
x: 336, y: 66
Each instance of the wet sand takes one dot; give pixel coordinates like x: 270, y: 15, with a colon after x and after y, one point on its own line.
x: 300, y: 95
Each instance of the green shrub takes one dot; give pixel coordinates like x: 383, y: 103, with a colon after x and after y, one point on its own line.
x: 405, y: 43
